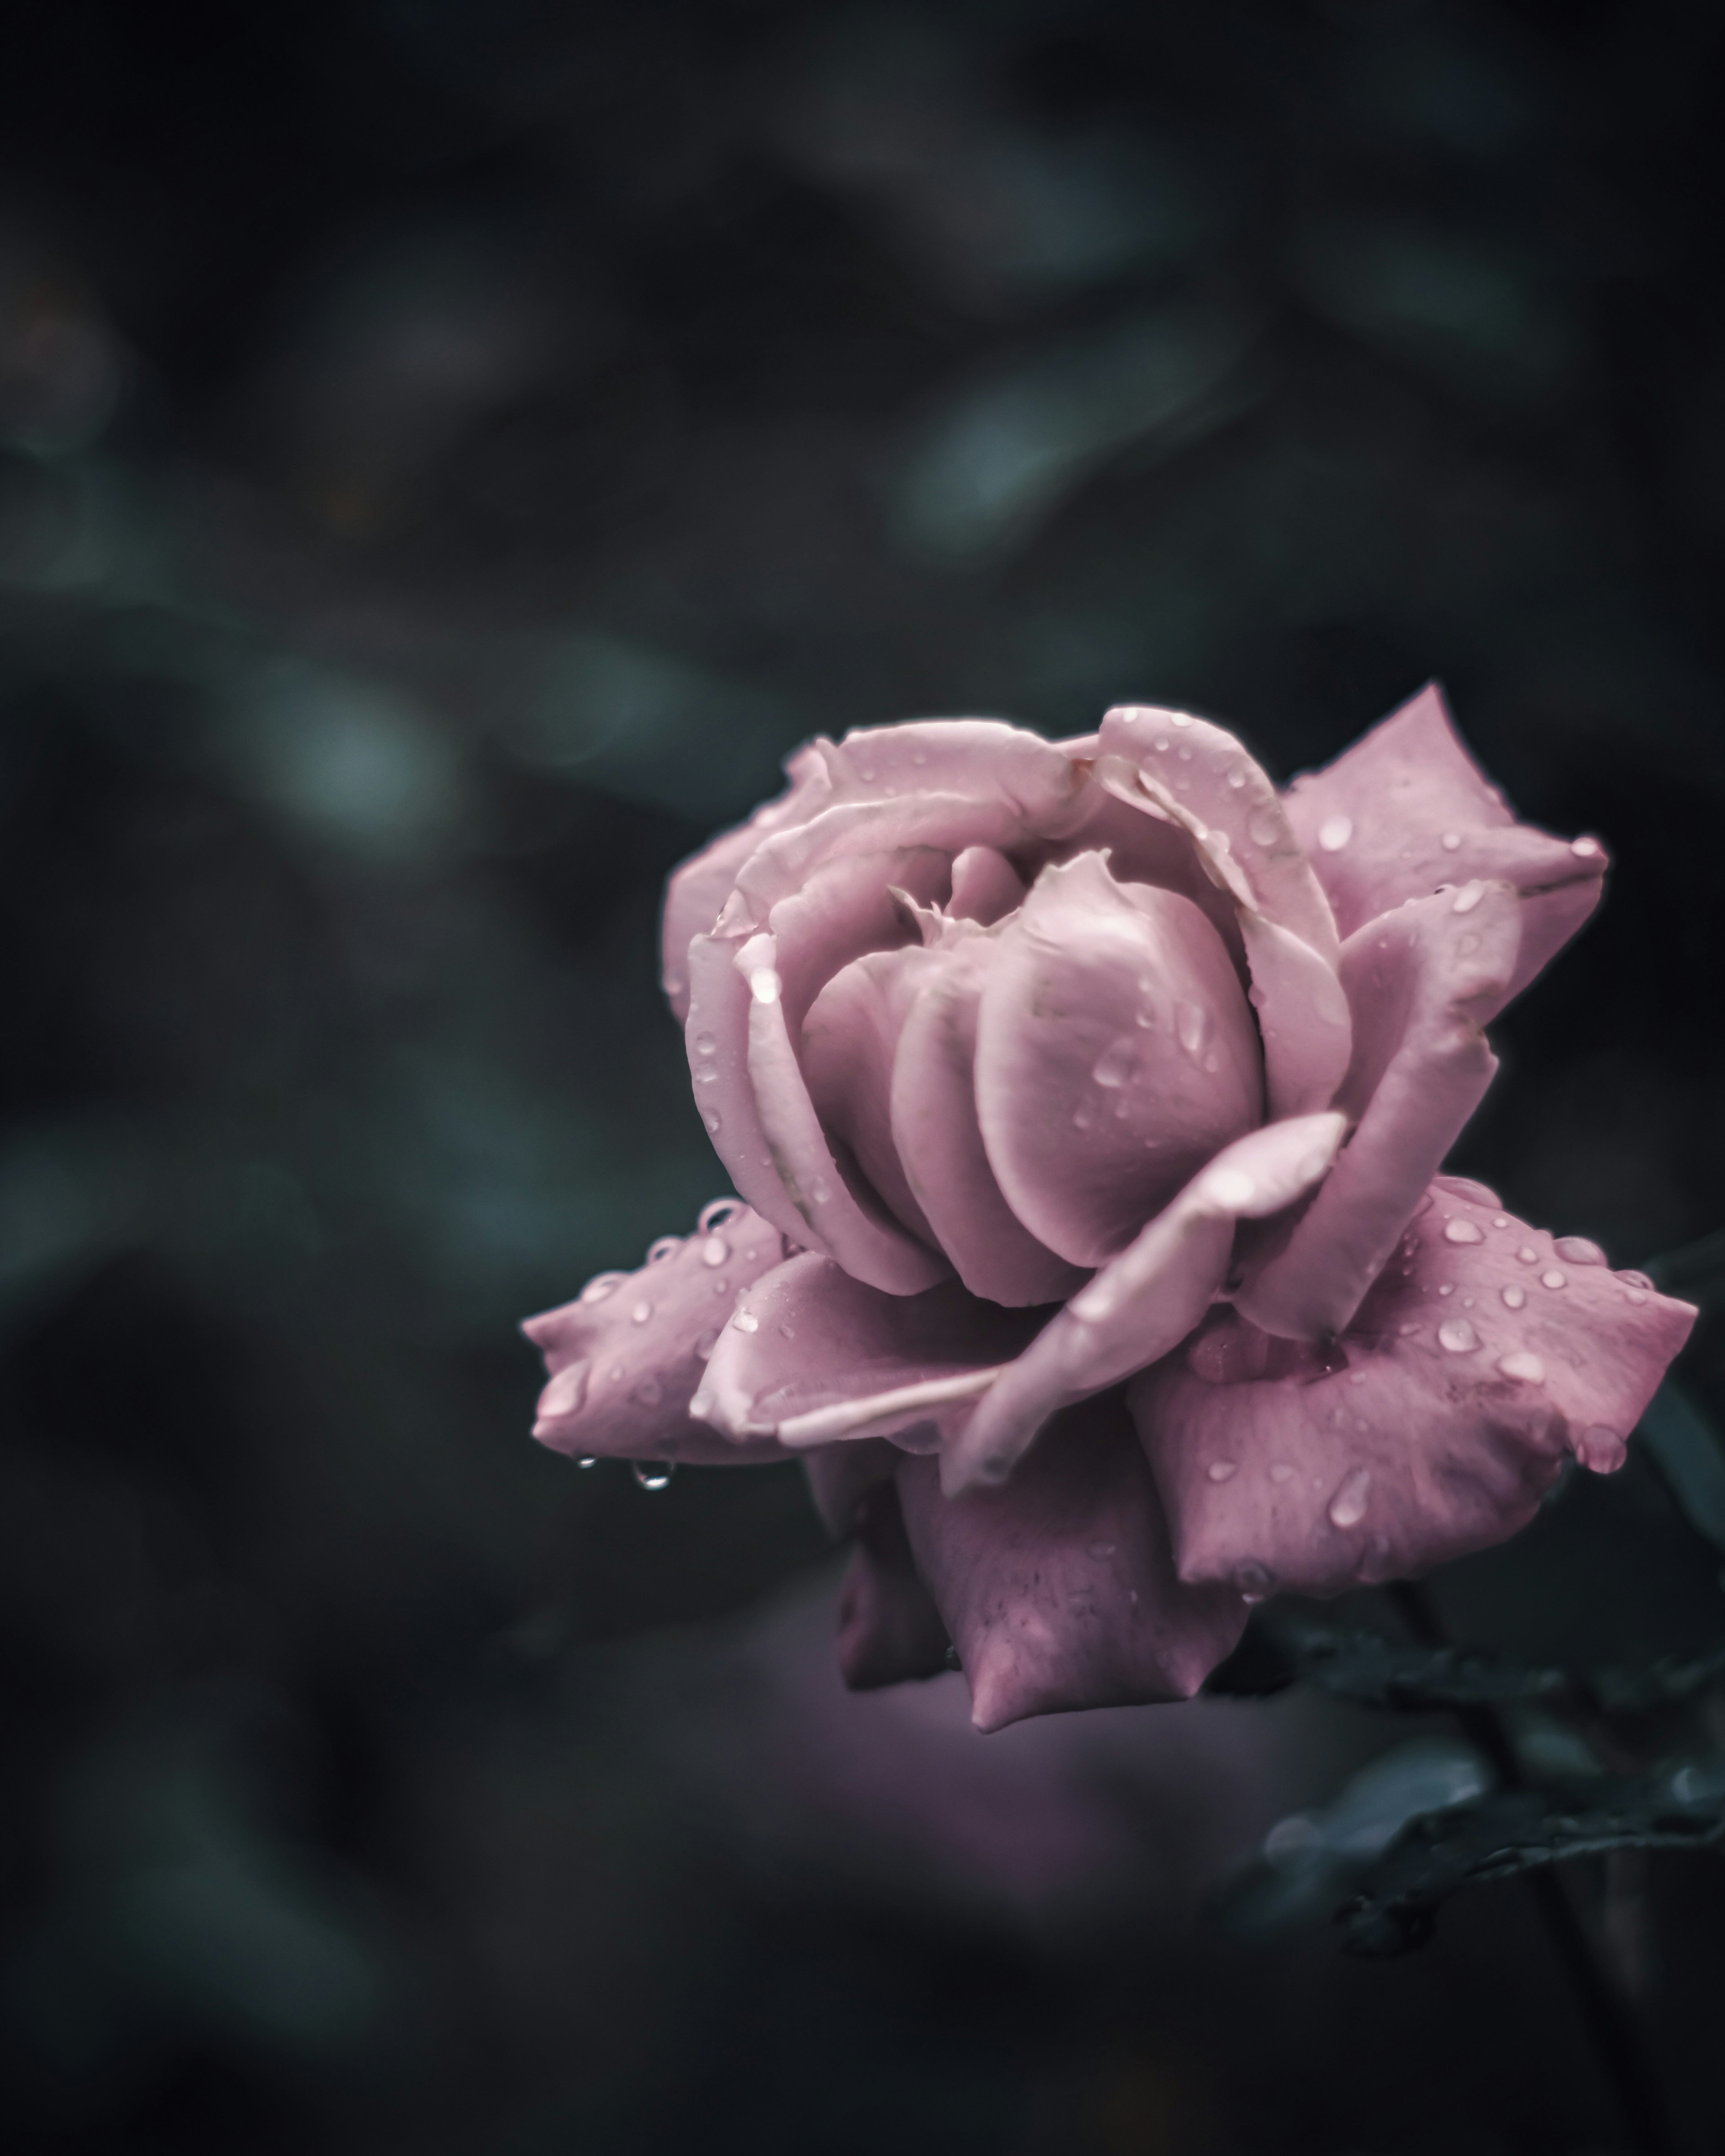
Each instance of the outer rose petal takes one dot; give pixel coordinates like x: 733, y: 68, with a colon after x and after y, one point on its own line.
x: 813, y: 1355
x: 1059, y: 1590
x: 938, y: 1139
x: 1149, y: 1298
x: 1406, y: 808
x: 1421, y: 980
x: 1115, y: 1054
x: 697, y: 891
x: 889, y: 1628
x: 1303, y: 1018
x: 985, y: 886
x: 1481, y: 1358
x: 625, y: 1357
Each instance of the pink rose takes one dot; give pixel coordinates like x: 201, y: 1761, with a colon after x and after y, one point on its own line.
x: 1088, y: 1101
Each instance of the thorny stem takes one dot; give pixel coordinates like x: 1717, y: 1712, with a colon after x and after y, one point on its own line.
x: 1614, y: 2033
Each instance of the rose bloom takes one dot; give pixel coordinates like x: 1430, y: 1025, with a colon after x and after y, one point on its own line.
x: 1087, y: 1100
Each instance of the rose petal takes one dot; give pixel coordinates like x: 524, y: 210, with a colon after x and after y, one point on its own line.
x: 889, y: 1628
x: 1406, y: 808
x: 938, y: 1139
x: 1059, y: 1590
x: 1198, y: 775
x: 1114, y: 1054
x: 813, y: 1355
x: 1421, y: 980
x: 625, y: 1357
x: 698, y: 889
x: 985, y: 885
x: 1470, y: 1371
x: 1144, y: 1302
x: 1303, y: 1018
x: 839, y: 1476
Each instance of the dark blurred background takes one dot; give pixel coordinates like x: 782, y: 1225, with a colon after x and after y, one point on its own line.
x: 450, y: 453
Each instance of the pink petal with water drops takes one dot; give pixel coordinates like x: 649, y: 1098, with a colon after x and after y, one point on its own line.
x: 695, y: 895
x: 1198, y: 775
x: 1146, y: 1301
x: 938, y: 1140
x: 1483, y: 1356
x: 1304, y: 1020
x: 814, y: 1356
x: 626, y: 1356
x: 1420, y: 981
x: 1406, y: 808
x: 985, y: 886
x: 1115, y: 1053
x: 889, y: 1628
x: 1059, y: 1589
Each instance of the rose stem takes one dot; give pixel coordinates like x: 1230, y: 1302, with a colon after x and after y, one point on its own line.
x: 1616, y: 2038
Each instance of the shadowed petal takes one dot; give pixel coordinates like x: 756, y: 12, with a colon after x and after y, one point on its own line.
x: 1483, y: 1356
x: 1303, y: 1018
x: 625, y: 1357
x: 813, y: 1355
x: 938, y: 1139
x: 1406, y: 808
x: 889, y: 1628
x: 698, y: 888
x: 1115, y: 1054
x: 985, y: 885
x: 1059, y: 1589
x: 1146, y: 1300
x: 1421, y: 982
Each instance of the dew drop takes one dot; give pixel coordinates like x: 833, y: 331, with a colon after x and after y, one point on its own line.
x: 588, y: 1461
x: 1577, y: 1251
x: 746, y: 1321
x: 1585, y: 849
x: 1451, y: 842
x: 667, y: 1246
x: 1527, y: 1255
x: 721, y: 1285
x: 1468, y: 897
x: 1457, y: 1336
x: 1464, y: 1231
x: 1116, y: 1063
x: 1082, y: 1118
x: 1252, y: 1580
x: 1180, y: 718
x: 1334, y: 833
x: 714, y: 1250
x: 1514, y: 1296
x: 1553, y: 1278
x: 1500, y: 1220
x: 1348, y: 1507
x: 1103, y: 1549
x: 641, y: 1312
x: 1280, y: 1471
x: 1222, y: 1471
x: 1521, y: 1364
x: 1448, y: 1288
x: 705, y: 1044
x: 1263, y: 829
x: 602, y: 1284
x: 653, y: 1473
x: 789, y: 1331
x: 1237, y: 777
x: 1601, y: 1449
x: 1636, y: 1280
x: 1162, y: 744
x: 1191, y: 1022
x: 714, y: 1121
x: 648, y: 1394
x: 1407, y: 1332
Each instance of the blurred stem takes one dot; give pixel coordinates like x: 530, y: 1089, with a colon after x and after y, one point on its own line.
x: 1612, y: 2027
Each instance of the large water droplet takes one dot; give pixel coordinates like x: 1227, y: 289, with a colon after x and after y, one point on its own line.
x: 1464, y: 1231
x: 1180, y: 718
x: 716, y: 1213
x: 1585, y: 849
x: 1636, y: 1280
x: 1527, y: 1256
x: 1116, y: 1062
x: 1191, y: 1022
x: 1280, y: 1471
x: 705, y: 1044
x: 1222, y: 1471
x: 667, y: 1246
x: 587, y: 1460
x: 1553, y: 1278
x: 641, y: 1312
x: 1237, y: 777
x: 714, y: 1250
x: 1451, y: 842
x: 714, y: 1121
x: 1334, y: 833
x: 653, y: 1473
x: 1601, y: 1449
x: 1348, y: 1507
x: 1262, y: 828
x: 1577, y: 1251
x: 1252, y: 1580
x: 602, y: 1284
x: 1521, y: 1364
x: 1468, y: 897
x: 1457, y: 1335
x: 1514, y: 1296
x: 746, y: 1321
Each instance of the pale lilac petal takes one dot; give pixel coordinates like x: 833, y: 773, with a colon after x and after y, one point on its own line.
x: 1114, y: 1054
x: 1421, y: 982
x: 1059, y: 1589
x: 697, y: 891
x: 1147, y: 1301
x: 813, y: 1355
x: 1141, y: 847
x: 849, y: 1040
x: 1303, y: 1018
x: 717, y: 1036
x: 843, y: 1217
x: 1484, y: 1355
x: 1406, y: 808
x: 1198, y: 775
x: 626, y: 1356
x: 938, y: 1140
x: 889, y: 1628
x: 985, y: 886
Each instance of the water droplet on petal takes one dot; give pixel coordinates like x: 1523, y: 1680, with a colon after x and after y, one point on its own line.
x: 1585, y: 849
x: 1280, y: 1471
x: 714, y: 1250
x: 1222, y: 1471
x: 1162, y: 744
x: 653, y: 1473
x: 1577, y: 1251
x: 746, y: 1321
x: 1513, y: 1296
x: 1553, y: 1278
x: 1464, y: 1231
x: 1468, y: 897
x: 1457, y: 1336
x: 1180, y: 718
x: 1191, y: 1022
x: 1451, y: 842
x: 717, y: 1213
x: 1527, y: 1255
x: 1500, y: 1220
x: 1103, y: 1549
x: 1334, y: 833
x: 1635, y: 1294
x: 1348, y: 1507
x: 641, y: 1312
x: 1448, y: 1288
x: 1601, y: 1449
x: 705, y: 1044
x: 1082, y: 1119
x: 1116, y: 1062
x: 1523, y: 1366
x: 648, y: 1394
x: 602, y: 1284
x: 1407, y: 1332
x: 1252, y: 1580
x: 1237, y: 777
x: 667, y: 1246
x: 714, y: 1121
x: 1263, y: 829
x: 1635, y: 1280
x: 588, y: 1461
x: 706, y: 1342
